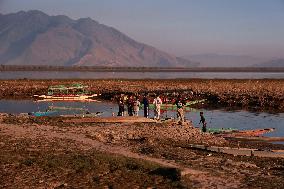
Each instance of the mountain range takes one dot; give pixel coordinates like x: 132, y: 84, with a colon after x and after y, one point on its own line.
x: 225, y: 60
x: 272, y: 63
x: 35, y: 38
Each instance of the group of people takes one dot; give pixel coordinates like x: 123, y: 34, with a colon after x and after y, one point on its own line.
x: 132, y: 103
x: 133, y: 106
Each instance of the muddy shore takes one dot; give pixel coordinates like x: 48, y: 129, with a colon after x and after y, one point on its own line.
x: 255, y: 95
x: 49, y: 153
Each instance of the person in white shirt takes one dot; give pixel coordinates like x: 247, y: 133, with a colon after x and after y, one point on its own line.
x: 136, y: 106
x: 157, y: 107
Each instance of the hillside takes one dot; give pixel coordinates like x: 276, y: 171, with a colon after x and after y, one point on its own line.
x: 35, y: 38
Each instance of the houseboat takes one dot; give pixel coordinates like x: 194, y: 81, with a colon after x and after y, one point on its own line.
x: 74, y: 92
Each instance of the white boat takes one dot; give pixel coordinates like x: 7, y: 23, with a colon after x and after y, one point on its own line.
x: 75, y: 92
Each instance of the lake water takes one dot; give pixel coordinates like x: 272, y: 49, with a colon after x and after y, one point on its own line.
x: 215, y: 118
x: 135, y: 75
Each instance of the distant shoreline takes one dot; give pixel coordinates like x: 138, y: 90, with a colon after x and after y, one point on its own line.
x: 4, y: 68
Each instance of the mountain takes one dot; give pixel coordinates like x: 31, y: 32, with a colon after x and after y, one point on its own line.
x: 35, y: 38
x: 217, y: 60
x: 272, y: 63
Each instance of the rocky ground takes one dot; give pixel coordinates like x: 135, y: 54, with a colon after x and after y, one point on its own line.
x: 50, y: 153
x: 256, y: 95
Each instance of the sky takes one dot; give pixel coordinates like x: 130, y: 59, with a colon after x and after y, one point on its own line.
x: 181, y: 27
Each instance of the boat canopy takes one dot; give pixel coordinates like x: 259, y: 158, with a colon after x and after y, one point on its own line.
x: 67, y: 87
x: 73, y: 88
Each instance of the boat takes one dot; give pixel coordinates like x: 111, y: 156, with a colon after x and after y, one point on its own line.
x: 253, y: 133
x: 169, y: 107
x: 88, y: 114
x: 65, y: 112
x: 63, y: 108
x: 232, y: 133
x: 74, y: 92
x: 221, y: 130
x: 40, y: 113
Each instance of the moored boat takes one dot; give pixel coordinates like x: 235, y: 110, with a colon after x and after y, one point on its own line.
x: 229, y: 132
x: 169, y: 107
x: 74, y: 92
x: 40, y: 113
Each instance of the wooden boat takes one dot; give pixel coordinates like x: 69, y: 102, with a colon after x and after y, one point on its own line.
x: 65, y: 112
x: 111, y: 120
x: 74, y: 92
x: 63, y: 108
x: 254, y: 133
x: 40, y: 114
x: 242, y: 133
x: 221, y: 130
x: 173, y: 107
x: 84, y: 115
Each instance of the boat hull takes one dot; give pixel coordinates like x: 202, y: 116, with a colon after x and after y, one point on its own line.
x: 65, y: 98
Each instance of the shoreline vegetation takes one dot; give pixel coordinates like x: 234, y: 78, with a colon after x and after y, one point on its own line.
x: 247, y: 94
x: 138, y: 69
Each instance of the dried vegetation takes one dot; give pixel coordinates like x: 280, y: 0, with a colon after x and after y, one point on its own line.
x: 257, y: 95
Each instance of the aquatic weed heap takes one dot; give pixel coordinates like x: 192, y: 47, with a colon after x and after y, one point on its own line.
x: 253, y: 94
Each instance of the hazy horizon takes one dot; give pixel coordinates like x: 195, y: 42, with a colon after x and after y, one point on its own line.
x: 182, y: 27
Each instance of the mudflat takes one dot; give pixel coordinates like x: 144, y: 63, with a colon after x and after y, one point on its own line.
x: 54, y: 153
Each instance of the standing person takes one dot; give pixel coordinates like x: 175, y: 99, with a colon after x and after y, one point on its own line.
x: 120, y: 102
x: 146, y: 106
x: 130, y: 105
x: 157, y: 107
x: 180, y: 113
x: 136, y: 105
x: 202, y: 119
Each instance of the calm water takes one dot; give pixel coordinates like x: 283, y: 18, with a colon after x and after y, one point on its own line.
x: 135, y: 75
x: 215, y: 119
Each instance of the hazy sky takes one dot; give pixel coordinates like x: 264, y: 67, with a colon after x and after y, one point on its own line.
x: 181, y: 27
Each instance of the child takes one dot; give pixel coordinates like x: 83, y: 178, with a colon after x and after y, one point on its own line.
x: 202, y: 119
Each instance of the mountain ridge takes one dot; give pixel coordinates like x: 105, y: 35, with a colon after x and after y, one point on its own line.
x: 35, y: 38
x: 279, y: 63
x: 225, y: 60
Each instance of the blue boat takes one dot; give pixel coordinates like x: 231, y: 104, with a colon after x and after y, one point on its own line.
x: 40, y: 114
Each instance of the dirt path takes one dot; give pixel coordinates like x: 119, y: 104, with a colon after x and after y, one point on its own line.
x: 51, y: 133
